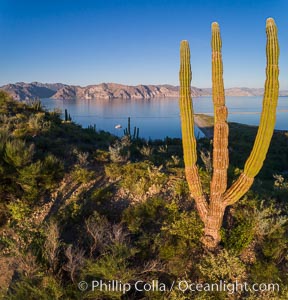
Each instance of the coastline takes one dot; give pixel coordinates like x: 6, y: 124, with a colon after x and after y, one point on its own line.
x: 205, y: 124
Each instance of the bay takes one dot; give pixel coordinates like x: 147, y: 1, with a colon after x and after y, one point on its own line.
x: 159, y: 118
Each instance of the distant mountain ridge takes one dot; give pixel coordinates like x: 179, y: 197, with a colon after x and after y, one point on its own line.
x: 23, y: 91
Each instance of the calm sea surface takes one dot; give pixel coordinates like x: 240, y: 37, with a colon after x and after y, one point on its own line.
x: 158, y: 118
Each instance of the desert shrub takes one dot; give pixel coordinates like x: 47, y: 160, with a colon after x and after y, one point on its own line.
x: 144, y: 220
x: 113, y: 171
x: 37, y: 123
x: 138, y: 179
x: 179, y: 239
x: 51, y: 246
x: 71, y: 214
x: 44, y: 288
x: 238, y: 237
x: 120, y: 150
x: 4, y: 214
x: 19, y: 210
x: 102, y: 200
x: 97, y: 228
x: 162, y: 231
x: 207, y: 160
x: 29, y: 178
x: 222, y: 266
x: 115, y: 264
x: 34, y: 104
x: 82, y: 175
x: 146, y: 150
x: 74, y: 261
x: 275, y: 246
x: 180, y: 188
x: 82, y: 158
x: 52, y: 171
x: 271, y: 230
x: 146, y: 217
x: 5, y: 99
x: 162, y: 149
x: 205, y: 179
x: 36, y: 178
x: 279, y: 182
x: 182, y: 224
x: 268, y: 219
x: 101, y: 155
x: 18, y: 154
x: 186, y: 227
x: 4, y: 137
x: 102, y: 234
x: 264, y: 271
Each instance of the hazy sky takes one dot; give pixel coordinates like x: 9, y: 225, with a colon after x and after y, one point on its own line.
x: 131, y: 42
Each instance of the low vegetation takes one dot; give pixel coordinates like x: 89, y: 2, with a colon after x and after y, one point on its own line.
x: 81, y: 205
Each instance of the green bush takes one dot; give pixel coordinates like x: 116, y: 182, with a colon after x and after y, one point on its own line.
x: 19, y: 210
x: 45, y: 288
x: 36, y: 178
x: 179, y: 240
x: 239, y: 237
x: 82, y: 175
x: 52, y: 171
x: 222, y: 266
x: 264, y: 271
x: 18, y: 154
x: 138, y: 178
x: 146, y: 217
x: 275, y: 246
x: 112, y: 265
x: 29, y: 178
x: 183, y: 225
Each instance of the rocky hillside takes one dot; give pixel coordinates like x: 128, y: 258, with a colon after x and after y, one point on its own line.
x: 23, y: 91
x: 113, y: 90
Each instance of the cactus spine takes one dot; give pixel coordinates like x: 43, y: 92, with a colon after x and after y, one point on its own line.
x: 212, y: 210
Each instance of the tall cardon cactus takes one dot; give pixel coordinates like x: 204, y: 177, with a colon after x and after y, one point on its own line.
x: 211, y: 209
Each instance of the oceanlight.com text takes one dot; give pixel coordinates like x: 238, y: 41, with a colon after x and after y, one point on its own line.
x: 180, y: 285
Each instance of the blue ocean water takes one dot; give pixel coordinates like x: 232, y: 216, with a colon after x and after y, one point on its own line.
x: 158, y: 118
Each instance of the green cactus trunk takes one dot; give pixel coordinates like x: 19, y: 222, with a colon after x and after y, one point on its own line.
x: 66, y: 115
x: 129, y: 126
x: 187, y: 126
x: 212, y: 210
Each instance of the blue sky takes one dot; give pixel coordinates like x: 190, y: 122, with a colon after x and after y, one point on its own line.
x: 131, y: 42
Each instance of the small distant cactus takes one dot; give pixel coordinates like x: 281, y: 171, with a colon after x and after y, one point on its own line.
x: 211, y: 210
x: 127, y: 131
x: 67, y: 116
x: 92, y: 128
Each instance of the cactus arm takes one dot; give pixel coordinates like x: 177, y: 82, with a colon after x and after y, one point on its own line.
x: 267, y: 120
x: 220, y: 140
x: 187, y: 127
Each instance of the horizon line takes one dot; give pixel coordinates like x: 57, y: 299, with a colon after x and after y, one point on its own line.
x: 130, y: 85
